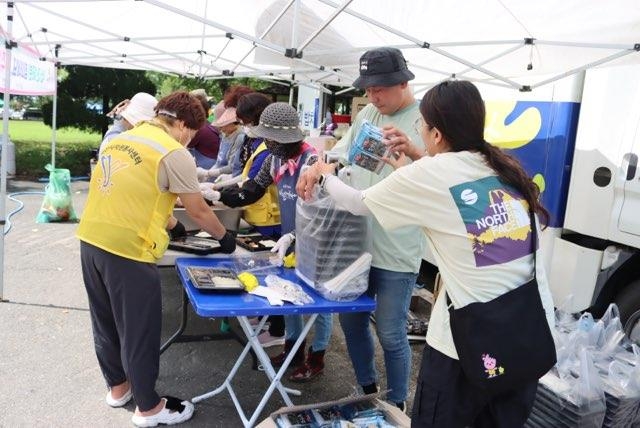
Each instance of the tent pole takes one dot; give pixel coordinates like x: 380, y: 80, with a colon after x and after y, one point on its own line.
x: 493, y: 58
x: 422, y: 42
x: 404, y: 46
x: 204, y: 31
x: 54, y: 113
x: 293, y: 79
x: 296, y: 14
x: 5, y: 140
x: 131, y: 40
x: 245, y: 36
x: 321, y: 107
x: 116, y: 39
x: 265, y: 32
x: 583, y: 68
x: 584, y: 45
x: 330, y: 70
x: 344, y: 91
x: 324, y: 25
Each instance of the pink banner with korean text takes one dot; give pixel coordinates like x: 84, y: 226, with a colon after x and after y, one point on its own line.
x: 29, y: 75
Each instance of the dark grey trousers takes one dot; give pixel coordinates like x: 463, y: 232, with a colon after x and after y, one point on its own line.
x: 126, y: 316
x: 445, y: 398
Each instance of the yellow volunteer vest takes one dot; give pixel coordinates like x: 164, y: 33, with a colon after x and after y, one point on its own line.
x: 126, y: 213
x: 266, y: 210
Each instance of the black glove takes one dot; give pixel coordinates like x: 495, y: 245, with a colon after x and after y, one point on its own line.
x: 227, y: 243
x: 177, y: 232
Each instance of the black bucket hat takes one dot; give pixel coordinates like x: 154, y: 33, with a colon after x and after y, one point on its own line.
x: 382, y: 67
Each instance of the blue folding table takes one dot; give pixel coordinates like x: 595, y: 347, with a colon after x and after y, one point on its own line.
x: 243, y: 305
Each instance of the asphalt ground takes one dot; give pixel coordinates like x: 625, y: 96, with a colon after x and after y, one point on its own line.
x: 49, y: 375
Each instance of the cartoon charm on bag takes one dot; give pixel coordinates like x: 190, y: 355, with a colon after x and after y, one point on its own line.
x: 490, y: 365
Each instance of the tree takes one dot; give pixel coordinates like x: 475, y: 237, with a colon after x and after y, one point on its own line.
x: 167, y: 84
x: 81, y: 85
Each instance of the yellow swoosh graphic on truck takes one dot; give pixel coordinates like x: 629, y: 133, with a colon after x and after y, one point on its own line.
x: 518, y: 133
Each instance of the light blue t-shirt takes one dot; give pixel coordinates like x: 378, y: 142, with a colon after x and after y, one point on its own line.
x: 228, y: 161
x: 402, y: 249
x: 116, y: 129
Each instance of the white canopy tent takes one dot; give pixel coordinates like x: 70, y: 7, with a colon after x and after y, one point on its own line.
x: 516, y: 44
x: 319, y: 41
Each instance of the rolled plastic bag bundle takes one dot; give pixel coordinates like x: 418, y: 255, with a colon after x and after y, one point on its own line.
x: 349, y: 284
x: 287, y: 290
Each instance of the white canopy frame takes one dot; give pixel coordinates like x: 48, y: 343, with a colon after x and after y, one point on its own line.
x: 317, y: 42
x: 156, y: 58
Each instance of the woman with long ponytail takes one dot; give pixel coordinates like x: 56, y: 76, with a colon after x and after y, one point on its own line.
x: 479, y: 211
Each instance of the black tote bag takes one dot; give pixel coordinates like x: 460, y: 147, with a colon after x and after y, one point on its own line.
x: 505, y: 342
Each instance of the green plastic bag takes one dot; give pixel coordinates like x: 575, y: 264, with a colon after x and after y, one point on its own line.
x: 57, y: 204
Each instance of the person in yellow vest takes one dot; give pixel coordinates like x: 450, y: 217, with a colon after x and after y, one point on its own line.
x: 264, y: 213
x: 123, y: 233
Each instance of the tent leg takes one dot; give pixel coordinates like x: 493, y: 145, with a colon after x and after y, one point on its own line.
x: 5, y: 140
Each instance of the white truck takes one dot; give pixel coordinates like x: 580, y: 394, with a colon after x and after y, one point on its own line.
x: 580, y: 140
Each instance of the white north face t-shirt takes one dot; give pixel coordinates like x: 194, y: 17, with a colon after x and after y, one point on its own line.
x: 478, y: 229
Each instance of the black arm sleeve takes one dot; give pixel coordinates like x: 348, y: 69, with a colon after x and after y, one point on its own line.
x: 235, y: 196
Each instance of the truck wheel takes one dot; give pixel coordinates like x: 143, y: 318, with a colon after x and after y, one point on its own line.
x: 628, y: 301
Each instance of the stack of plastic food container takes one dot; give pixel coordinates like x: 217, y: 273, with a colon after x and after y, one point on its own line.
x: 328, y: 241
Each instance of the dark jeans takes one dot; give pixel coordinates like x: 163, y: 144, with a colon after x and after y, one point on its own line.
x: 126, y: 317
x: 445, y: 398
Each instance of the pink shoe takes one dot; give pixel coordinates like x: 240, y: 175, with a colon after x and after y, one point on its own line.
x: 266, y: 340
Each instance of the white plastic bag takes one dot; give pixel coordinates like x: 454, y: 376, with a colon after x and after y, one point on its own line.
x: 287, y: 290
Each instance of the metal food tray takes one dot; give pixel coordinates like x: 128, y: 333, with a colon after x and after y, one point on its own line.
x: 205, y: 279
x: 195, y: 245
x: 253, y: 242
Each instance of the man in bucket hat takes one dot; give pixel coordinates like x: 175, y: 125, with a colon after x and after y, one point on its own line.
x: 396, y: 254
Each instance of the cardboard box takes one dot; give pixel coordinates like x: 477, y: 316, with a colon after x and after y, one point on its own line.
x: 357, y: 104
x: 393, y: 415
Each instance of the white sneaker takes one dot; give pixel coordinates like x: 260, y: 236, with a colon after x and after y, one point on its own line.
x: 120, y: 401
x: 266, y: 340
x: 175, y: 411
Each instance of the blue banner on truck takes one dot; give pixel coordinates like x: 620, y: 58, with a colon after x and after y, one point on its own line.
x: 542, y: 136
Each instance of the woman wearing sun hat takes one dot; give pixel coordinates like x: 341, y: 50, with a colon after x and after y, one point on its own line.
x: 129, y: 112
x: 227, y: 122
x: 288, y: 153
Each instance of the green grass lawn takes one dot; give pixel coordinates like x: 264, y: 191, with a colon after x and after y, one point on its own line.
x: 33, y: 148
x: 37, y: 131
